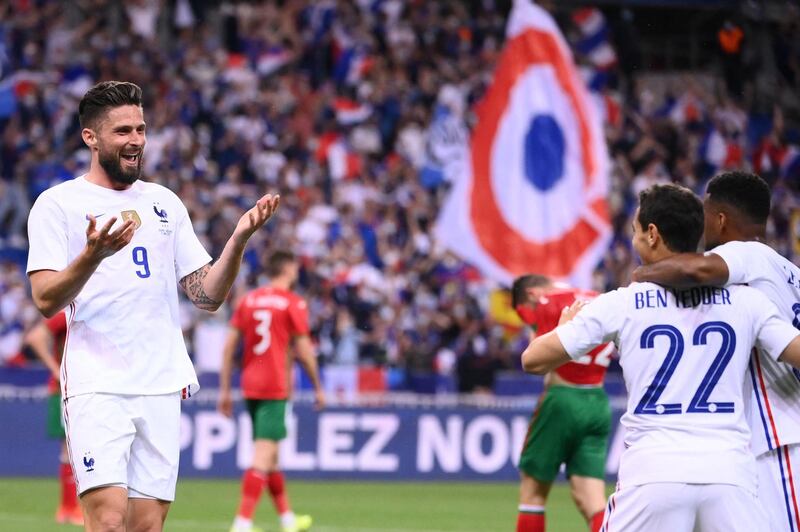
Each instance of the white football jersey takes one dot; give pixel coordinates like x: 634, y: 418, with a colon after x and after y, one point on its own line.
x: 775, y: 407
x: 684, y: 357
x: 124, y: 334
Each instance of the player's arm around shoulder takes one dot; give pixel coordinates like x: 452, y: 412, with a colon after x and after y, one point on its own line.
x: 685, y: 270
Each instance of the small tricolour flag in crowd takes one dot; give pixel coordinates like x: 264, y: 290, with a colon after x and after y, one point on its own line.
x: 349, y: 112
x: 533, y: 198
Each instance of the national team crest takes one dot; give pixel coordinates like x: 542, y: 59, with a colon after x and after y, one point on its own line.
x: 132, y: 215
x: 535, y: 198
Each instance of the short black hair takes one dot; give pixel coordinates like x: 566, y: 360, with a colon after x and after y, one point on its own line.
x: 104, y: 96
x: 746, y: 192
x: 677, y: 213
x: 277, y: 261
x: 519, y: 288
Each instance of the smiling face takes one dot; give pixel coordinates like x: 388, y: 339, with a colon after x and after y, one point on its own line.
x: 119, y: 141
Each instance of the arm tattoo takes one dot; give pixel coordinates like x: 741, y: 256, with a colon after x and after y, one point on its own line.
x: 192, y: 284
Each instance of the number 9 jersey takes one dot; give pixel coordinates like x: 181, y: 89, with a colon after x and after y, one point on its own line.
x: 123, y: 328
x: 268, y: 318
x: 684, y: 356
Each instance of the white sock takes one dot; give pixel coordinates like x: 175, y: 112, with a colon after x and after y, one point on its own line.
x: 287, y: 519
x: 242, y: 523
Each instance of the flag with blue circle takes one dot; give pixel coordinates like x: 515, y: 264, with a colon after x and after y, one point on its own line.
x: 533, y: 198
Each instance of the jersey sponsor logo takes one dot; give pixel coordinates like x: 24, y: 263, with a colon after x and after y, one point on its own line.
x: 88, y: 461
x: 132, y: 215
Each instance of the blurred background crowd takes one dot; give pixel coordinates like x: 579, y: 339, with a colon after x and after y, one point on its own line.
x: 358, y: 113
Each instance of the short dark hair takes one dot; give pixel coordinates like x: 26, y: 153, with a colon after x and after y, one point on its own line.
x: 277, y: 261
x: 677, y: 213
x: 519, y: 288
x: 104, y: 96
x: 746, y: 192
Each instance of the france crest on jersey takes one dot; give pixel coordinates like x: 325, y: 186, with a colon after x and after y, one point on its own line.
x: 534, y: 194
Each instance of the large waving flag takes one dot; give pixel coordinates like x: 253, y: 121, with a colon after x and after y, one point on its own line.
x: 534, y: 196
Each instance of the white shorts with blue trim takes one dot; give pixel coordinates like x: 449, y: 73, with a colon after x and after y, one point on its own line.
x: 779, y: 486
x: 132, y: 441
x: 675, y: 507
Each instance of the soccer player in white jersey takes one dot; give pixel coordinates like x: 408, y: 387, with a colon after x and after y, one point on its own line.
x: 684, y: 353
x: 737, y: 205
x: 125, y: 367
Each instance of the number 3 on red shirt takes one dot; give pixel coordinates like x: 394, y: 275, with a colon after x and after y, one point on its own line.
x: 264, y: 319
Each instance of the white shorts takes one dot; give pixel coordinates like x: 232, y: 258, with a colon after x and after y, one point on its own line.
x: 779, y: 486
x: 674, y: 507
x: 125, y: 440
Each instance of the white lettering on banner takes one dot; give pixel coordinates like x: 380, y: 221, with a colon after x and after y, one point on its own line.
x: 383, y: 427
x: 434, y: 443
x: 186, y: 432
x: 290, y: 458
x: 499, y: 444
x: 244, y: 447
x: 519, y: 431
x: 214, y: 433
x: 335, y: 442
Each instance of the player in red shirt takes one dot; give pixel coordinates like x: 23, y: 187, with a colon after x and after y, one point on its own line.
x: 46, y: 340
x: 267, y: 319
x: 573, y: 419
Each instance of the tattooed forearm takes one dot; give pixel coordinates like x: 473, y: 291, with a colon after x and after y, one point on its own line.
x: 192, y: 284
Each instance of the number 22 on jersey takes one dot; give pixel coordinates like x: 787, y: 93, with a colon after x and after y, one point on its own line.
x: 699, y: 403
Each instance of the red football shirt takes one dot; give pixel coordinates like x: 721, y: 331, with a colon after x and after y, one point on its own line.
x: 268, y: 318
x: 57, y: 325
x: 591, y: 368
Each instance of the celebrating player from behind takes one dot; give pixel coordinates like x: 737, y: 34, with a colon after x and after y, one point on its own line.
x: 737, y: 205
x: 269, y: 318
x: 572, y: 421
x: 113, y: 250
x: 684, y: 354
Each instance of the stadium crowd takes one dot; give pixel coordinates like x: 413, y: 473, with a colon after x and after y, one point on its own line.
x: 334, y: 104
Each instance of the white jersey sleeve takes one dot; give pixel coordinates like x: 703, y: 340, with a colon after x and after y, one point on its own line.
x: 773, y: 333
x: 190, y: 254
x: 47, y: 234
x: 597, y: 323
x: 743, y: 264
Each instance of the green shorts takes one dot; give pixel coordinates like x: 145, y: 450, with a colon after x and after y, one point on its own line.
x: 269, y: 418
x: 55, y: 421
x: 570, y: 426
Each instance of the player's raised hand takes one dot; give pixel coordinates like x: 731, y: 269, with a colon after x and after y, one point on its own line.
x: 225, y: 404
x: 571, y: 311
x: 256, y: 217
x: 104, y: 242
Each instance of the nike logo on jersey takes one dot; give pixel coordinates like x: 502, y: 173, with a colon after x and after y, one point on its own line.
x: 96, y: 216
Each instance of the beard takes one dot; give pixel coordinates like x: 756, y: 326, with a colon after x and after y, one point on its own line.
x: 112, y: 164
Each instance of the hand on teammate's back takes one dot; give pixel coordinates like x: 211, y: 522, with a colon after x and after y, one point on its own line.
x: 257, y: 216
x: 104, y: 243
x: 571, y: 311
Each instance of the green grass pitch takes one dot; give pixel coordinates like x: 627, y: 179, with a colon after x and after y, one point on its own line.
x: 337, y: 506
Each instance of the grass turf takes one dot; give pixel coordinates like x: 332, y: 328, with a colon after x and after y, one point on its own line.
x: 337, y: 506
